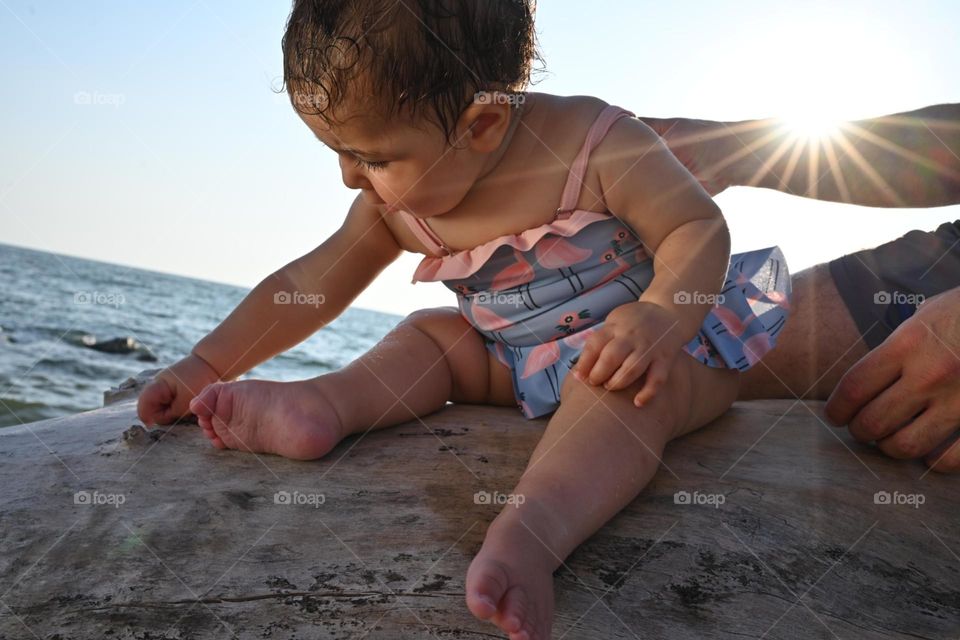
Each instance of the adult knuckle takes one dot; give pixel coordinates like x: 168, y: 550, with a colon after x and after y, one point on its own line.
x: 908, y: 337
x: 853, y: 389
x: 932, y: 372
x: 904, y: 445
x: 871, y: 426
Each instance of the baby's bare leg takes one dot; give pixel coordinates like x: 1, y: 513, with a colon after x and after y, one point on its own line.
x: 596, y: 455
x: 430, y: 357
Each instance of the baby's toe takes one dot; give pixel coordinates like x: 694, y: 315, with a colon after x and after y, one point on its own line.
x: 205, y: 402
x: 486, y: 583
x: 222, y: 410
x: 529, y: 631
x: 514, y: 611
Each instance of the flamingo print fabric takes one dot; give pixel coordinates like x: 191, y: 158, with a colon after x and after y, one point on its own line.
x: 536, y: 307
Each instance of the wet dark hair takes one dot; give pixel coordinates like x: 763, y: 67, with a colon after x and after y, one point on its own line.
x: 426, y: 58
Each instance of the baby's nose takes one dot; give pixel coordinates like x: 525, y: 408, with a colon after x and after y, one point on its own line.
x: 353, y: 177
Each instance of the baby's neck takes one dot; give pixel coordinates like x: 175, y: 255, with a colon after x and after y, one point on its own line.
x: 516, y: 133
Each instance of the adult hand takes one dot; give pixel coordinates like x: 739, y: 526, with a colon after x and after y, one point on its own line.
x: 905, y: 394
x: 707, y: 149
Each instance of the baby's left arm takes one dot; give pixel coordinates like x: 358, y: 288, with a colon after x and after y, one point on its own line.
x: 644, y: 185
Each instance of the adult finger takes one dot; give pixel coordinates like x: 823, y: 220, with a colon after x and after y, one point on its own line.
x: 895, y: 407
x: 946, y: 457
x: 863, y: 382
x: 927, y: 432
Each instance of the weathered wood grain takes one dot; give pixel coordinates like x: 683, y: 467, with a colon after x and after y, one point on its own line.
x: 200, y: 549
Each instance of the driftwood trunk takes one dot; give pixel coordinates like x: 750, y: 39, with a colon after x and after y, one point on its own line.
x: 780, y: 534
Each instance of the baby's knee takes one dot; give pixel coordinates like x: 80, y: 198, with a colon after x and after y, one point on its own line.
x: 692, y: 395
x: 424, y: 318
x: 670, y: 407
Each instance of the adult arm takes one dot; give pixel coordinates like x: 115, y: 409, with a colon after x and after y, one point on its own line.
x: 909, y: 159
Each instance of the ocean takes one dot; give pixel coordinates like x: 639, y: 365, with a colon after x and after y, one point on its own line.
x: 53, y: 306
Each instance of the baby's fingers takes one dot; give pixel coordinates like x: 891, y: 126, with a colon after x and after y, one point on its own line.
x: 656, y: 377
x: 589, y: 354
x: 154, y: 402
x: 612, y: 356
x: 632, y: 368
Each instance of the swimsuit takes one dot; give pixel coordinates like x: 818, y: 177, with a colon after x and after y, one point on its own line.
x: 536, y: 296
x: 881, y: 287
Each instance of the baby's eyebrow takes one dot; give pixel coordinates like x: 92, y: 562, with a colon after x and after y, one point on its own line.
x: 351, y: 150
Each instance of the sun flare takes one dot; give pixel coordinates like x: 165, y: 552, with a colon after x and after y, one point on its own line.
x: 813, y: 126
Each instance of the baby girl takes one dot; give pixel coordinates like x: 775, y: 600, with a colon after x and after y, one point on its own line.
x: 574, y: 241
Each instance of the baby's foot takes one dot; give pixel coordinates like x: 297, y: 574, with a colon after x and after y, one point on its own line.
x: 291, y: 419
x: 510, y: 582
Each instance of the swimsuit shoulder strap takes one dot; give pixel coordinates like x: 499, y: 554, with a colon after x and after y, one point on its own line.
x: 571, y: 192
x: 424, y: 233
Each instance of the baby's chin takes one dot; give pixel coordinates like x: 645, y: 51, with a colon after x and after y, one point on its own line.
x: 414, y: 206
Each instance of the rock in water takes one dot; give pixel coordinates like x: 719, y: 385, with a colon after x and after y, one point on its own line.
x: 122, y: 345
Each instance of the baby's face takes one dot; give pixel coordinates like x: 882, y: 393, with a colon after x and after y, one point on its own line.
x: 398, y: 165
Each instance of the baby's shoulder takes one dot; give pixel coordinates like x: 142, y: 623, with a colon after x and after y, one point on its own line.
x: 572, y: 117
x: 564, y: 115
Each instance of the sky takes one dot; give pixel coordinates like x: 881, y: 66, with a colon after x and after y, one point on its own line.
x: 151, y: 134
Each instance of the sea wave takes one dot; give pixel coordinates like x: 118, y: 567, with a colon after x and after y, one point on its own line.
x: 54, y: 306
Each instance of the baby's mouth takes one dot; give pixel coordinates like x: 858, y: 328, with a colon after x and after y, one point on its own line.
x: 373, y: 197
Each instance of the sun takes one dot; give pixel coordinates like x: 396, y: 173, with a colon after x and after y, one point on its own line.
x: 813, y: 126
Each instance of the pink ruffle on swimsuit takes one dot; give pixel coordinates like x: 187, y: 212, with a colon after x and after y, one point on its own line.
x: 536, y: 297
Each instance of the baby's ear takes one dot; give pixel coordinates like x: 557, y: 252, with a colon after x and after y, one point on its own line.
x: 484, y: 123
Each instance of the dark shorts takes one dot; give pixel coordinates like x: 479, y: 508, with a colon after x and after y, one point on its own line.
x: 882, y: 287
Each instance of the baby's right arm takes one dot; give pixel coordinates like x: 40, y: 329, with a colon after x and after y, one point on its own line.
x: 287, y: 307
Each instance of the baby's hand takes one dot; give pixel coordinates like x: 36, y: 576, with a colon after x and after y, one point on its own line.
x: 167, y: 397
x: 636, y: 337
